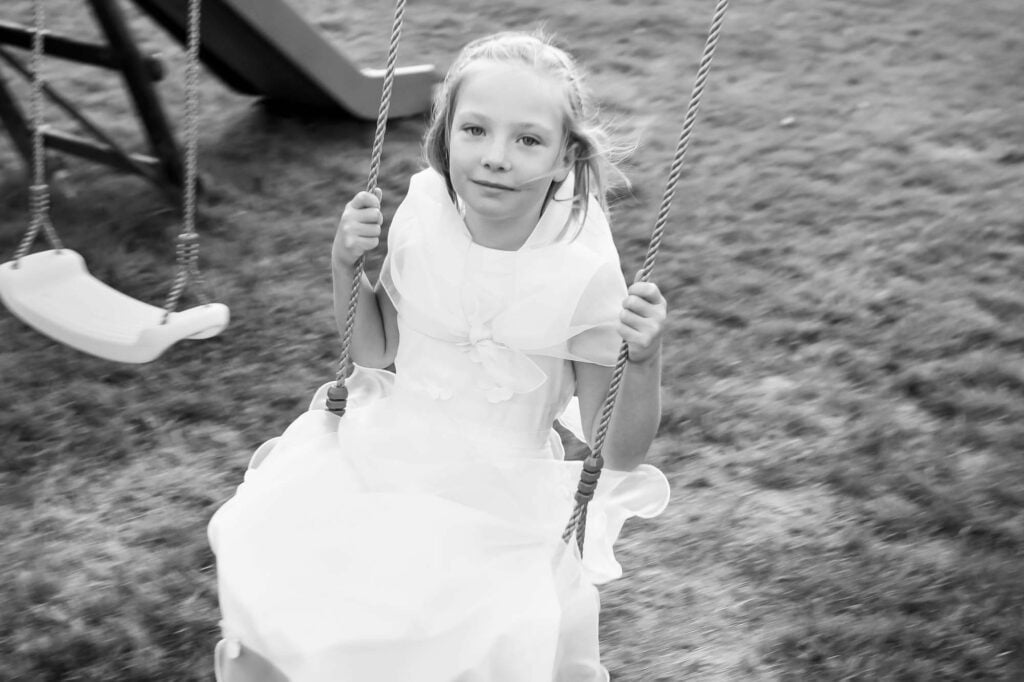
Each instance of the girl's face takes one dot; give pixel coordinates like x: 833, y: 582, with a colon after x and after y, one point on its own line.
x: 506, y: 150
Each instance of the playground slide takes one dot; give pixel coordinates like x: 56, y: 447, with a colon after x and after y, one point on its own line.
x: 266, y: 49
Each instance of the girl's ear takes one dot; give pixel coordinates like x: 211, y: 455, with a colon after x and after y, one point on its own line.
x: 568, y: 162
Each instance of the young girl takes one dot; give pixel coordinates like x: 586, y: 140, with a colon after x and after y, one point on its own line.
x: 418, y: 537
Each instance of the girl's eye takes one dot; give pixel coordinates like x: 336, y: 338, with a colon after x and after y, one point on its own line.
x: 473, y: 130
x: 529, y: 141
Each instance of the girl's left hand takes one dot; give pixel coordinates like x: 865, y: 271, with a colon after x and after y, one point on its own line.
x: 642, y: 321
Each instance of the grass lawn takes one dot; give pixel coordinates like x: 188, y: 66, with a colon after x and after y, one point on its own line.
x: 844, y: 386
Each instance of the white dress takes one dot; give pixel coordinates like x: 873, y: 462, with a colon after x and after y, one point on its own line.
x: 418, y: 537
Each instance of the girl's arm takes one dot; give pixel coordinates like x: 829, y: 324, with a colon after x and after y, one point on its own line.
x: 375, y: 334
x: 637, y: 412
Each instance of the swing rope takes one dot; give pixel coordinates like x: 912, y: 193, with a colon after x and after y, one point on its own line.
x: 594, y: 462
x: 187, y: 246
x: 39, y: 191
x: 337, y: 394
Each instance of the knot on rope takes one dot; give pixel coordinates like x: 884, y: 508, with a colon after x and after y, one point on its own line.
x: 592, y: 466
x: 187, y: 246
x: 337, y: 399
x: 39, y: 200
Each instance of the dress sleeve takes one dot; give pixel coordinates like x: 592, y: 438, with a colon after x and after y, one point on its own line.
x: 594, y: 322
x: 593, y: 329
x: 569, y: 297
x: 417, y: 209
x: 398, y: 226
x: 592, y: 279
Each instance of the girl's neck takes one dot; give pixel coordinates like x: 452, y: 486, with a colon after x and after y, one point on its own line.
x: 509, y: 235
x: 502, y: 234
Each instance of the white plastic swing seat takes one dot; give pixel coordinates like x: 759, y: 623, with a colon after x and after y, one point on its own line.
x: 53, y: 292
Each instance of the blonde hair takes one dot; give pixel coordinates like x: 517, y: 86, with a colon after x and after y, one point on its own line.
x: 586, y: 142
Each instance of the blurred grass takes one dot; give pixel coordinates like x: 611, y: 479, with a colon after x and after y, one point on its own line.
x: 844, y: 385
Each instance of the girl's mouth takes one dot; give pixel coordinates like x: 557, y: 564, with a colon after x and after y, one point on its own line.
x: 494, y: 185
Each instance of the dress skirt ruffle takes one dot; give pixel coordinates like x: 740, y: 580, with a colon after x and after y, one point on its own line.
x: 377, y: 547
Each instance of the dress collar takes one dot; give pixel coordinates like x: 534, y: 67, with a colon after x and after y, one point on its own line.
x: 554, y: 221
x: 550, y: 229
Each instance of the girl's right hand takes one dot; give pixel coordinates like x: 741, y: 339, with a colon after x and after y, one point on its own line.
x: 359, y: 228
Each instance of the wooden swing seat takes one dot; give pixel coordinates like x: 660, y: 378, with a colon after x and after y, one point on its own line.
x: 53, y: 292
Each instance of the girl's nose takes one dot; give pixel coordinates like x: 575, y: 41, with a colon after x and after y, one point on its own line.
x: 494, y: 157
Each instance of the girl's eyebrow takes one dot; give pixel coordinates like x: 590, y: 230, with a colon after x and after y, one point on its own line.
x: 527, y: 126
x: 469, y: 113
x: 538, y: 128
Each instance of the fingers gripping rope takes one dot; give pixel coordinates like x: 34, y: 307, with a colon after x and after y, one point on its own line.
x: 337, y: 395
x: 594, y: 462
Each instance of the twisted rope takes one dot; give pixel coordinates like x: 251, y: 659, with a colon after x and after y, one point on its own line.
x: 337, y: 395
x: 39, y: 191
x: 187, y: 247
x: 594, y: 462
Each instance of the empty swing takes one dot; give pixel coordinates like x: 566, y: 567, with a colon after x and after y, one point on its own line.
x: 53, y: 292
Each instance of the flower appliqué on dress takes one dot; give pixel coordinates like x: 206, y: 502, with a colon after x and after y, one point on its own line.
x: 507, y: 371
x: 433, y: 390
